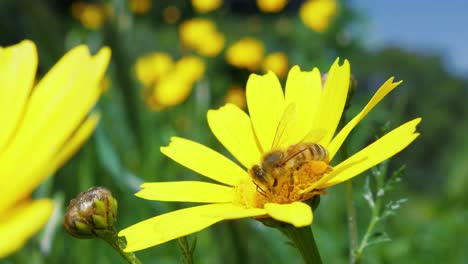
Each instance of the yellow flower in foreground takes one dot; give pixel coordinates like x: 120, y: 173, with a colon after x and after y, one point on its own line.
x: 278, y: 123
x: 204, y: 6
x: 317, y: 14
x: 42, y: 126
x: 246, y: 53
x: 271, y: 6
x: 277, y: 63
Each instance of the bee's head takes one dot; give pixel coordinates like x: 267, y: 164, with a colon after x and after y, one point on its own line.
x: 257, y: 173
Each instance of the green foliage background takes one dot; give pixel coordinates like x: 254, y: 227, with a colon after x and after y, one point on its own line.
x: 124, y: 151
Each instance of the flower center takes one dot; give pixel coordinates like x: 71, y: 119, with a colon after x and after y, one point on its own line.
x: 285, y: 176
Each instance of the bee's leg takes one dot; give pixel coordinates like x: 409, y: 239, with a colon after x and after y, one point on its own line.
x: 260, y: 190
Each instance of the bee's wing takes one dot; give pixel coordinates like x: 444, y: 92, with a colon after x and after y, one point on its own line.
x: 287, y: 120
x: 315, y: 135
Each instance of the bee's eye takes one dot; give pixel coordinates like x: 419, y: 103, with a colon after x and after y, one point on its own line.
x: 258, y: 172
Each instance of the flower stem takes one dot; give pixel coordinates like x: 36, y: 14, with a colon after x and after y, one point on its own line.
x: 350, y: 209
x: 118, y: 244
x: 303, y: 239
x: 352, y: 224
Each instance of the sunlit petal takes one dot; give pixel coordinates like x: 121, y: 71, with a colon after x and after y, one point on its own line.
x: 386, y: 88
x: 296, y: 213
x: 265, y: 101
x: 17, y: 60
x: 186, y: 191
x: 232, y: 127
x: 304, y: 90
x: 204, y: 160
x: 333, y: 99
x: 21, y: 223
x: 382, y: 149
x: 179, y: 223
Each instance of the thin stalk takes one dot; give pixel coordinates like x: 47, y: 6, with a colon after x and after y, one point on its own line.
x: 187, y: 250
x: 350, y: 209
x: 303, y: 239
x: 380, y: 180
x: 352, y: 224
x: 118, y: 244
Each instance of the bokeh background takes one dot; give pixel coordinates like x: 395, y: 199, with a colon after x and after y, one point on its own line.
x: 173, y: 60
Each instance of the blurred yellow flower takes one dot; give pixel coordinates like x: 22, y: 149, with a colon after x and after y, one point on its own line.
x: 277, y: 63
x: 150, y: 68
x: 204, y: 6
x: 105, y: 84
x: 277, y: 122
x: 271, y: 6
x: 175, y: 85
x: 236, y: 96
x: 190, y: 68
x: 91, y: 16
x: 201, y: 35
x: 171, y: 14
x: 139, y: 6
x: 43, y: 125
x: 318, y: 14
x: 246, y: 53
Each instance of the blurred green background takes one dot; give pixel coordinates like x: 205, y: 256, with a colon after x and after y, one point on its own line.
x: 124, y: 151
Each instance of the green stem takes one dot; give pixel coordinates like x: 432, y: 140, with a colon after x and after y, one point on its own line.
x: 187, y: 250
x: 352, y: 224
x: 303, y: 239
x: 118, y: 244
x: 380, y: 179
x: 350, y: 209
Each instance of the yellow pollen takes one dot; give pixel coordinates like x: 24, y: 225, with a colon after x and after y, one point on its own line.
x: 291, y: 185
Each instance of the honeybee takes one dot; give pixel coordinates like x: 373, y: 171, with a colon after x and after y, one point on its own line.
x: 278, y: 166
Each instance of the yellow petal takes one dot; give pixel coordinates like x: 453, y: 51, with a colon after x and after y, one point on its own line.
x: 186, y: 191
x: 18, y: 65
x: 56, y: 108
x: 165, y: 227
x: 233, y: 129
x: 382, y: 149
x: 28, y: 177
x: 265, y: 101
x: 333, y: 100
x: 74, y: 143
x: 71, y: 106
x: 386, y: 88
x: 298, y: 214
x: 204, y: 160
x: 304, y: 90
x: 22, y: 222
x: 58, y: 105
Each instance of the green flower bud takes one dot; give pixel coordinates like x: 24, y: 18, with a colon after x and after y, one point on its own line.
x: 91, y: 212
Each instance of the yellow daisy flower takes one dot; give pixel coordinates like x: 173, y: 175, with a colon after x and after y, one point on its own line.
x: 205, y: 6
x: 43, y: 125
x: 246, y: 53
x: 318, y: 14
x: 271, y: 6
x: 277, y: 63
x: 271, y: 181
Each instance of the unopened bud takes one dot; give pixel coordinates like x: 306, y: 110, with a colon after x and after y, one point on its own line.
x: 91, y: 211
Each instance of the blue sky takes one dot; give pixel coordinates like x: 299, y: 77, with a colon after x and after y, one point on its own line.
x: 439, y: 27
